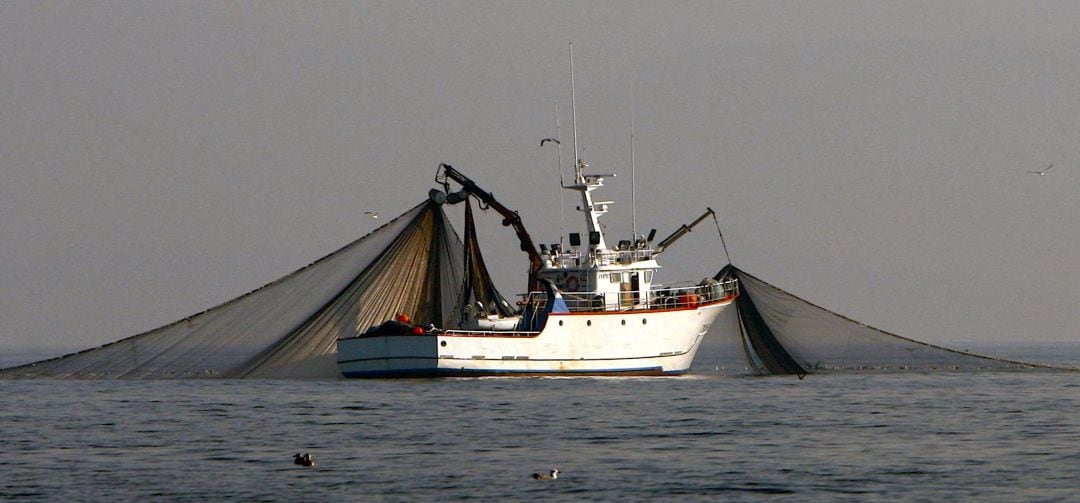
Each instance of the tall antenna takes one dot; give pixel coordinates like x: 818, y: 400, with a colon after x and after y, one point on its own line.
x: 573, y: 104
x: 633, y: 168
x: 558, y: 145
x: 562, y: 184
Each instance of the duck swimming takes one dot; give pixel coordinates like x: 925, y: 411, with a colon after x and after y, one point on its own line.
x: 304, y: 460
x: 554, y: 474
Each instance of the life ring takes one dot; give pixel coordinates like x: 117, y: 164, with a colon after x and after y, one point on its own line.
x: 571, y: 283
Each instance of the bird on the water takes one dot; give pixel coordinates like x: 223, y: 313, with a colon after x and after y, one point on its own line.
x: 372, y: 214
x: 552, y: 475
x: 305, y: 459
x: 545, y: 140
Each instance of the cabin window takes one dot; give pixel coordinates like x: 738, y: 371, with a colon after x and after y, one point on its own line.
x: 616, y: 277
x: 648, y: 276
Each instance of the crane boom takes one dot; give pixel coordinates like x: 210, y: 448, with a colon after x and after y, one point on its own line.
x: 511, y: 218
x: 681, y: 231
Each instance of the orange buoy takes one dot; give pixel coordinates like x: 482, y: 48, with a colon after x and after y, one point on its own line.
x: 402, y: 317
x: 418, y: 330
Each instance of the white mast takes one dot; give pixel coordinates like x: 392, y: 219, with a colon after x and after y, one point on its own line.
x: 558, y: 146
x: 586, y: 183
x: 633, y: 168
x: 573, y: 108
x: 562, y: 184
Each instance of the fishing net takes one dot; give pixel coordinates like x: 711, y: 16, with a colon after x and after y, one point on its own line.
x: 289, y: 328
x: 784, y: 334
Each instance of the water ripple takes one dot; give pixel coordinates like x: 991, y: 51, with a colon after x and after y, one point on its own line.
x: 884, y: 437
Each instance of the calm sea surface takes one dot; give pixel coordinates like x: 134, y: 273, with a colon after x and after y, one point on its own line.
x: 987, y: 436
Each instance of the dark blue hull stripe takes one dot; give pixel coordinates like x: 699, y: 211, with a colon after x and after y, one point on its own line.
x: 448, y: 372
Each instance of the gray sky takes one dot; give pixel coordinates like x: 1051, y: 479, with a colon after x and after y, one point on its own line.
x: 160, y: 158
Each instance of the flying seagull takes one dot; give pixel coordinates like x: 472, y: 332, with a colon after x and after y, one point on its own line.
x: 545, y: 140
x: 305, y: 459
x: 552, y: 475
x: 372, y: 214
x: 1043, y: 172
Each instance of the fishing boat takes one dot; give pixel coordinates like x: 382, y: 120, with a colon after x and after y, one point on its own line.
x: 591, y: 309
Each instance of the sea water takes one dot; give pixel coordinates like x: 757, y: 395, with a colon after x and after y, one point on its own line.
x: 973, y: 436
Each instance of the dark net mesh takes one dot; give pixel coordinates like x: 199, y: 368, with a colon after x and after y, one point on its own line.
x: 289, y: 328
x: 784, y: 334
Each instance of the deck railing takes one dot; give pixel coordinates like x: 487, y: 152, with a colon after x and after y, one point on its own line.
x: 659, y: 297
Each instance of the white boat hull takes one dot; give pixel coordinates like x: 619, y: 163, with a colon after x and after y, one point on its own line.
x: 654, y: 342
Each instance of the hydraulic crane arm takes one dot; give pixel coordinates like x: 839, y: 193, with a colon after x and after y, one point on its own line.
x: 510, y: 217
x: 681, y: 231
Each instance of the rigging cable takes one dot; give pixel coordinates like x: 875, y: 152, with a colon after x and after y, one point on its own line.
x: 722, y: 243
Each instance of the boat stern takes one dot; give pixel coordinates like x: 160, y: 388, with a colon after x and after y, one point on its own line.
x: 388, y: 355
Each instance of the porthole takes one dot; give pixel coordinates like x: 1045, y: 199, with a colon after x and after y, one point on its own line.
x: 644, y: 321
x: 443, y: 344
x: 624, y: 322
x: 560, y: 323
x: 588, y: 322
